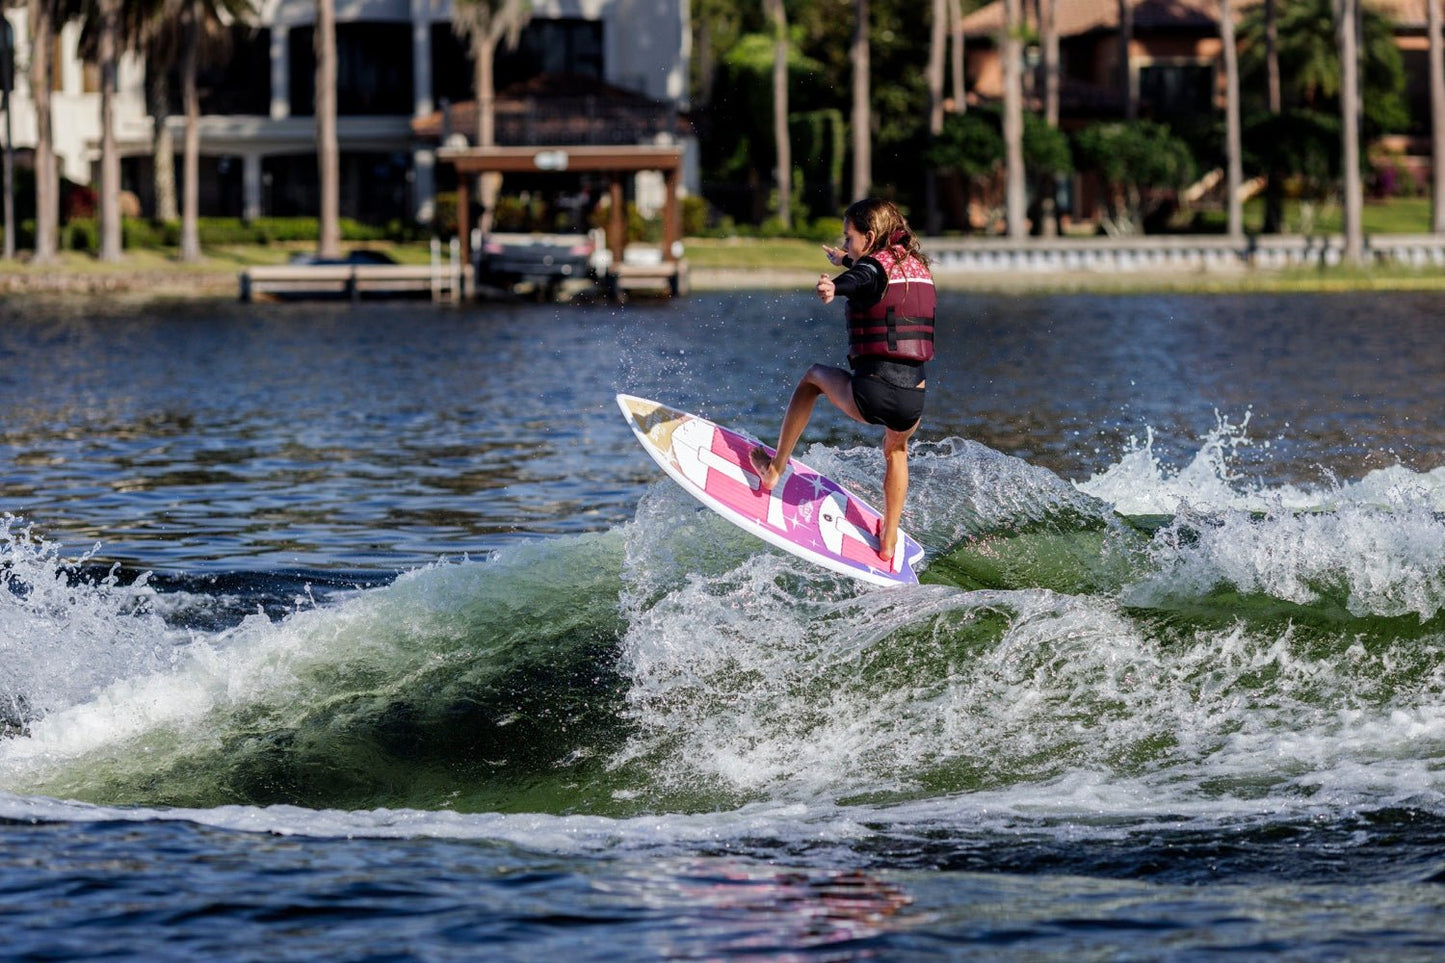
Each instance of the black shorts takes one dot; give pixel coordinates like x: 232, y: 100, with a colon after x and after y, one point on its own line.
x: 888, y: 393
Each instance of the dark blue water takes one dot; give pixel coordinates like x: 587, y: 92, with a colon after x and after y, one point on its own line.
x: 337, y: 632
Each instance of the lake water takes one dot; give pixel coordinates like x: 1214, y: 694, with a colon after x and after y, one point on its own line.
x: 369, y: 632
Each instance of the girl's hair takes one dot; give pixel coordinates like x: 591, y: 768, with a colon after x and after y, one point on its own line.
x: 876, y: 216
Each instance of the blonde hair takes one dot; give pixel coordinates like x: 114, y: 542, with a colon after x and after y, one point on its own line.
x: 879, y: 217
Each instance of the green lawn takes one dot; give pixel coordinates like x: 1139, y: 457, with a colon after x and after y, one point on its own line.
x: 1398, y: 215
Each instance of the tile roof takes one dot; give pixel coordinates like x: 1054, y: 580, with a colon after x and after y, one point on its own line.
x: 1084, y: 16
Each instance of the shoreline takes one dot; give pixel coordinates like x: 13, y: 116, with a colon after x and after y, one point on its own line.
x: 208, y: 282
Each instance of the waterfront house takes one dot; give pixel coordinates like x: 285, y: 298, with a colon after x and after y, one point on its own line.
x: 400, y: 65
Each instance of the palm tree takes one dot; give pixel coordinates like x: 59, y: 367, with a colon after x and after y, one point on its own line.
x: 1311, y: 88
x: 163, y: 148
x: 1347, y: 24
x: 1233, y: 147
x: 108, y: 47
x: 1437, y: 117
x: 7, y: 75
x: 955, y: 67
x: 328, y: 153
x: 1126, y: 41
x: 779, y: 16
x: 485, y: 24
x: 187, y: 33
x: 1274, y: 188
x: 196, y: 31
x: 1049, y: 65
x: 1049, y: 37
x: 45, y: 19
x: 1015, y: 195
x: 862, y: 113
x: 937, y: 44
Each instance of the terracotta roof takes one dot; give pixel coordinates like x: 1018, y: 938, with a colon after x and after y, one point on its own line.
x: 1084, y: 16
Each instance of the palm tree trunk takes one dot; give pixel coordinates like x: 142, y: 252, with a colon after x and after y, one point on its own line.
x: 483, y: 57
x: 1015, y: 193
x: 1049, y: 29
x: 1274, y: 189
x: 163, y: 149
x: 937, y: 44
x: 1347, y: 25
x: 328, y: 153
x: 47, y: 181
x: 489, y: 183
x: 190, y: 204
x: 1126, y: 75
x: 862, y: 122
x: 955, y: 26
x: 1233, y: 146
x: 779, y: 15
x: 109, y: 56
x: 7, y: 63
x: 861, y: 109
x: 1437, y: 118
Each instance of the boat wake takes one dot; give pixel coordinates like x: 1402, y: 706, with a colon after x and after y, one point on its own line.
x: 1147, y: 641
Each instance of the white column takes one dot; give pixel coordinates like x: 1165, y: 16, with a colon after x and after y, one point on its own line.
x: 423, y: 185
x: 280, y: 73
x: 421, y: 78
x: 250, y: 186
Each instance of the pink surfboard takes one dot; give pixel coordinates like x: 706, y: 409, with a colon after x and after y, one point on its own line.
x: 806, y: 513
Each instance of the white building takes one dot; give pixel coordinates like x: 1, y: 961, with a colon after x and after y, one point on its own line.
x: 399, y: 61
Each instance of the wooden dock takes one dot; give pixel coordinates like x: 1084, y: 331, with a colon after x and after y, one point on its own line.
x: 668, y: 278
x: 444, y: 280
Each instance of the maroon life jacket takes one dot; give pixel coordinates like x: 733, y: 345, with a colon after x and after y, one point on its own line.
x: 900, y: 326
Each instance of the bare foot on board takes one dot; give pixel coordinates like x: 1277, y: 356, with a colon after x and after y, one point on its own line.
x: 887, y: 554
x: 763, y: 465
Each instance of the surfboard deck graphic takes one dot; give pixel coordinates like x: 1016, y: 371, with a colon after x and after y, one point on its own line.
x: 806, y: 513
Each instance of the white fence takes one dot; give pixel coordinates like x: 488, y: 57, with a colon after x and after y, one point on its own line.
x: 1173, y: 252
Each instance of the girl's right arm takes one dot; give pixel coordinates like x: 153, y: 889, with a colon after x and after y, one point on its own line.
x: 864, y: 281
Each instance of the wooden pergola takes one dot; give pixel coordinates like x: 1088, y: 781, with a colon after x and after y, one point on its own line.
x: 614, y: 161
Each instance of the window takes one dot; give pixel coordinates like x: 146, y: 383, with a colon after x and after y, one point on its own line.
x: 562, y: 46
x: 239, y: 84
x: 373, y: 70
x: 1168, y: 89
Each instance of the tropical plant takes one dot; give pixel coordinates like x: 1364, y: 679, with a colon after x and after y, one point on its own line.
x: 1309, y: 62
x: 1142, y: 167
x: 972, y: 146
x: 1289, y: 50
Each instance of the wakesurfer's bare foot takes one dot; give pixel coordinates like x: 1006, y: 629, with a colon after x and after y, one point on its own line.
x: 887, y: 553
x: 763, y: 465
